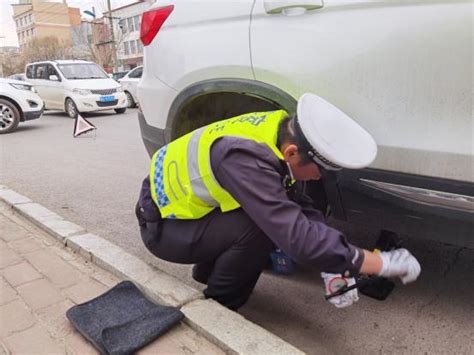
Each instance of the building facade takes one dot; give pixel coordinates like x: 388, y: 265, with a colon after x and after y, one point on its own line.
x: 127, y: 20
x: 103, y: 48
x: 41, y: 18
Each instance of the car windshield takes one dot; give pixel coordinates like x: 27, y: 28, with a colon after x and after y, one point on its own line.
x: 82, y: 71
x: 17, y: 77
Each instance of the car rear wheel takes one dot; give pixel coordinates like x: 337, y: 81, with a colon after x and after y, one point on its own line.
x: 71, y: 108
x: 130, y: 100
x: 9, y: 116
x: 120, y: 110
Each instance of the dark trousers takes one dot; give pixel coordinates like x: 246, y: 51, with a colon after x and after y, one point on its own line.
x: 229, y: 251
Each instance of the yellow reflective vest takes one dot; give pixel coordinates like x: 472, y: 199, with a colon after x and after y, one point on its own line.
x: 183, y: 185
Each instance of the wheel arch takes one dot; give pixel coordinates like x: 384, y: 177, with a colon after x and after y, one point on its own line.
x: 18, y: 107
x: 210, y: 100
x: 134, y: 101
x: 65, y: 99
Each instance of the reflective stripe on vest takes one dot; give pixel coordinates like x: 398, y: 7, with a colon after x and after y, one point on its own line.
x: 182, y: 182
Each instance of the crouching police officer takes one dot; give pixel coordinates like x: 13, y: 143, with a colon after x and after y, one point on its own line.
x: 218, y: 198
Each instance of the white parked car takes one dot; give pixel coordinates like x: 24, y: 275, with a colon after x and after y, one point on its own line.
x: 402, y: 69
x: 76, y: 86
x: 18, y: 103
x: 19, y: 76
x: 129, y: 84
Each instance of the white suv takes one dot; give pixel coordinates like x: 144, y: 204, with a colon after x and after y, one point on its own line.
x: 18, y: 103
x: 129, y: 84
x: 76, y: 86
x: 402, y: 69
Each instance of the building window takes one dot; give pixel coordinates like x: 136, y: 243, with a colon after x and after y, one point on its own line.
x: 133, y: 48
x: 21, y: 21
x: 17, y: 23
x: 136, y: 20
x: 126, y: 49
x: 30, y: 18
x: 139, y: 46
x: 130, y: 24
x: 123, y: 25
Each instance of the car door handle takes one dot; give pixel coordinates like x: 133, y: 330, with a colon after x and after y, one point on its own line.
x: 291, y: 7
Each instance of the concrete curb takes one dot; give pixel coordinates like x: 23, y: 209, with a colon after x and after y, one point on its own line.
x: 227, y: 329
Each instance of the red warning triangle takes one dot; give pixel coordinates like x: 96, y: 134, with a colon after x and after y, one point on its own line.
x: 82, y: 126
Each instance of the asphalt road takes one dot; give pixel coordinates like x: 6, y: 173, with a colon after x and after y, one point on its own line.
x: 94, y: 182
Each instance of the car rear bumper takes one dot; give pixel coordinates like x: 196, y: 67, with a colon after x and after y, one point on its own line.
x: 153, y: 138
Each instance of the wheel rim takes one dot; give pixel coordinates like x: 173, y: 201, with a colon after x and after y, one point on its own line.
x: 71, y: 110
x: 7, y: 117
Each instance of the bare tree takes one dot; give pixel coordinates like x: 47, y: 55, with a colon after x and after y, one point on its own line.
x: 11, y: 63
x: 46, y: 48
x: 99, y: 41
x: 93, y: 40
x: 85, y: 37
x: 37, y: 49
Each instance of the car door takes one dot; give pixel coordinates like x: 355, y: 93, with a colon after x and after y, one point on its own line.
x: 132, y: 81
x: 125, y: 82
x: 41, y: 84
x: 54, y: 88
x: 30, y: 74
x: 402, y: 69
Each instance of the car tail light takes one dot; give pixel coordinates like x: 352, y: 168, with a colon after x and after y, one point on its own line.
x: 152, y: 22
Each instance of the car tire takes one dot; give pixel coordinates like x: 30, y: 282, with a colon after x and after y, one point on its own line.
x: 130, y: 100
x: 120, y: 110
x: 71, y: 108
x: 9, y: 116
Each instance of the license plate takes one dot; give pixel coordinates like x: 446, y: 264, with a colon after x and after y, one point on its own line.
x: 107, y: 98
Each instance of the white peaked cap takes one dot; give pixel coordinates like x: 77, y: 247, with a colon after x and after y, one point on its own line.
x: 336, y: 141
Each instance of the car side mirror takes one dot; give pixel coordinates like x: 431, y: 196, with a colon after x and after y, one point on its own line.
x: 53, y: 78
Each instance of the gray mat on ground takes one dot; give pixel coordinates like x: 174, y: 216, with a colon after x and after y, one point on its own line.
x: 122, y: 320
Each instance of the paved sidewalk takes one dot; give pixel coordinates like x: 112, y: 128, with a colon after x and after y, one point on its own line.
x: 40, y: 279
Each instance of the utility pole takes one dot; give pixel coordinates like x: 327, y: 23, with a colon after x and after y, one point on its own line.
x: 114, y: 44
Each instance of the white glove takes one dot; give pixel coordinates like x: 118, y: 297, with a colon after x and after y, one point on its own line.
x: 400, y: 263
x: 334, y: 282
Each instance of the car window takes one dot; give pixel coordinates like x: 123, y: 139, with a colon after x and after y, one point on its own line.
x: 52, y: 71
x: 131, y: 73
x: 137, y: 73
x: 30, y: 71
x: 82, y: 71
x: 41, y: 71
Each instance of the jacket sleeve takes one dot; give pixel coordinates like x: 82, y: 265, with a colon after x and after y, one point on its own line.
x: 146, y: 209
x: 253, y: 179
